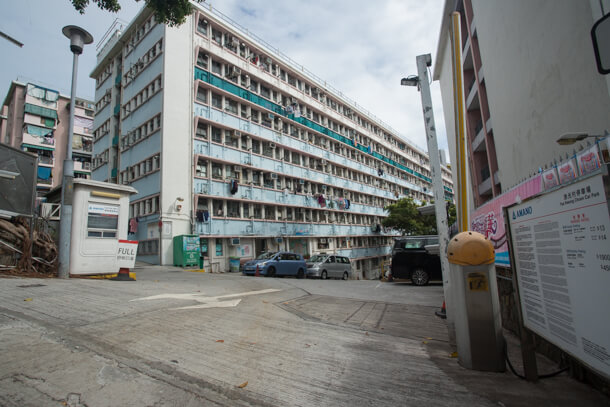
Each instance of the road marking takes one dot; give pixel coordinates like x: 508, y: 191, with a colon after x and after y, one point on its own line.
x: 377, y: 286
x: 207, y: 302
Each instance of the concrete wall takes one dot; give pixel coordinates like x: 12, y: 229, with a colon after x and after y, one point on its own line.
x: 541, y: 79
x: 177, y: 124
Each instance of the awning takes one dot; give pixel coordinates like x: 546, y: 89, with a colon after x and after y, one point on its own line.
x: 40, y: 111
x: 44, y: 173
x: 37, y: 147
x: 37, y: 131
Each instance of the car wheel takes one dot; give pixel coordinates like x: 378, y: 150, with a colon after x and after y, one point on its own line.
x: 324, y: 275
x: 300, y: 273
x: 345, y: 275
x: 271, y: 272
x: 420, y: 276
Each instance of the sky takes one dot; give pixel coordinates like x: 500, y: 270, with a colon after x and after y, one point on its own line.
x: 361, y: 48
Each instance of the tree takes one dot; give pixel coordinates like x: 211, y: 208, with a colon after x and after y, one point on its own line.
x: 404, y: 217
x: 170, y: 12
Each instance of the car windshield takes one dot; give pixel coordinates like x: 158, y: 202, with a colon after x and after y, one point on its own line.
x: 265, y: 256
x: 316, y: 258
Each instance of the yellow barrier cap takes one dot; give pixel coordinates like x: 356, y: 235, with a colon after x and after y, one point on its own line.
x: 470, y: 249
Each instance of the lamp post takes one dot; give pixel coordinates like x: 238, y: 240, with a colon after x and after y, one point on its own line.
x: 571, y: 138
x: 78, y: 39
x: 423, y: 85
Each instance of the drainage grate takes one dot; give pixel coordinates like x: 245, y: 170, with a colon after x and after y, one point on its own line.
x: 31, y: 285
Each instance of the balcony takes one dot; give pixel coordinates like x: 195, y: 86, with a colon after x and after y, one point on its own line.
x: 46, y: 160
x: 484, y: 187
x: 82, y: 166
x: 478, y: 144
x: 44, y: 142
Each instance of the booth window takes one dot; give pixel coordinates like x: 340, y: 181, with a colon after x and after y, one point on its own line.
x: 102, y: 220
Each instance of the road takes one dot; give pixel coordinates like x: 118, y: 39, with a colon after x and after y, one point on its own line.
x: 178, y: 338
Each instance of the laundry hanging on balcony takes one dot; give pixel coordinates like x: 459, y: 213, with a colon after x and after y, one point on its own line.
x: 44, y: 173
x: 233, y: 187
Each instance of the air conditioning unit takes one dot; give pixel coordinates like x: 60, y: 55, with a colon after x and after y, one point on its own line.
x: 315, y: 91
x: 323, y: 187
x: 235, y: 41
x: 322, y: 240
x: 234, y: 72
x: 268, y: 60
x: 323, y: 162
x: 273, y: 175
x: 237, y: 133
x: 293, y: 100
x: 86, y: 166
x: 271, y: 145
x: 236, y: 168
x: 270, y: 116
x: 235, y: 241
x: 302, y: 181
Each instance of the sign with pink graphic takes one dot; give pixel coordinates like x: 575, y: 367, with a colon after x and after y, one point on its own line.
x: 567, y: 171
x: 550, y: 178
x: 489, y: 220
x: 588, y: 160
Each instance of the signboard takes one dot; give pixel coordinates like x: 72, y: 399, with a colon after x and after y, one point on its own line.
x: 126, y: 254
x: 488, y: 219
x: 562, y: 253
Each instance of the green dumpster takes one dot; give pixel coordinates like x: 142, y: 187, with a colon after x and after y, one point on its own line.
x: 186, y: 250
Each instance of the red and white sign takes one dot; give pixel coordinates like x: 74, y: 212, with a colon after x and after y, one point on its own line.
x: 126, y: 253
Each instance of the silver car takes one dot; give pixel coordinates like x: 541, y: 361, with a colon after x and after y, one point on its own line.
x: 329, y: 265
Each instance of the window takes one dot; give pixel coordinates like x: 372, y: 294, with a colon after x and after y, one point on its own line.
x: 216, y: 67
x: 202, y: 131
x: 102, y: 220
x: 218, y: 247
x: 202, y: 168
x: 231, y: 106
x: 233, y: 209
x: 216, y: 171
x: 217, y: 100
x: 203, y: 243
x: 202, y: 26
x: 202, y: 95
x: 216, y: 135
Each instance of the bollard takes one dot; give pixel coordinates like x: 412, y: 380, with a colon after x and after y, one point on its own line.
x: 258, y: 272
x: 123, y: 275
x: 476, y: 307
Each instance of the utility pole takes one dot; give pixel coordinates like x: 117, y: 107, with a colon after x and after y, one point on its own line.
x: 78, y: 38
x: 423, y: 84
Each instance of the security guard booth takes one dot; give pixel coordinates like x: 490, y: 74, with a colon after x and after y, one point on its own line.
x: 478, y: 325
x: 100, y: 217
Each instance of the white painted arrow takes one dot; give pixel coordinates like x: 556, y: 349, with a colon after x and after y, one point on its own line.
x: 207, y: 302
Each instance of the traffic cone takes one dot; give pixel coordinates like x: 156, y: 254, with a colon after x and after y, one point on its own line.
x: 442, y: 313
x: 258, y: 272
x: 123, y: 275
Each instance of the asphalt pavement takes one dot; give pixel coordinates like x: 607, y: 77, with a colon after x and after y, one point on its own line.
x: 181, y: 338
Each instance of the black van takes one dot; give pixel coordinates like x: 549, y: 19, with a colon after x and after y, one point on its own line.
x: 411, y: 259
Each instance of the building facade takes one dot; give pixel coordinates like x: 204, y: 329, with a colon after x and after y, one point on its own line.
x: 37, y: 121
x: 227, y: 139
x: 525, y: 84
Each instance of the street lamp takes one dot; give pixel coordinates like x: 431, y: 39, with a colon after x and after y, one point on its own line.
x: 78, y: 39
x: 423, y: 85
x: 571, y: 138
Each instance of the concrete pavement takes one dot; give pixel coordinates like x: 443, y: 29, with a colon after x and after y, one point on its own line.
x: 310, y: 343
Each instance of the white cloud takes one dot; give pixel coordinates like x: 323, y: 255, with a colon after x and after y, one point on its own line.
x: 362, y: 48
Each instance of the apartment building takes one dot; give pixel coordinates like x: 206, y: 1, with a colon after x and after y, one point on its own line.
x: 37, y: 121
x: 226, y: 138
x: 526, y: 83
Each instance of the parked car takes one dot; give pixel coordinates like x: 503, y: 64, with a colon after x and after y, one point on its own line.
x: 329, y: 265
x: 416, y: 258
x: 272, y: 264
